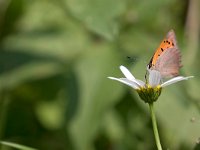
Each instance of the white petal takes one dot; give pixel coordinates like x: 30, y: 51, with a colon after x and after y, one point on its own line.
x: 154, y: 78
x: 174, y: 80
x: 141, y: 83
x: 126, y: 81
x: 129, y: 75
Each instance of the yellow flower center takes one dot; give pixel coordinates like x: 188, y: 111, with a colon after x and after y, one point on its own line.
x: 149, y: 94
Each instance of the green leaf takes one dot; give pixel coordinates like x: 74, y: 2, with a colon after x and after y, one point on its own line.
x: 31, y: 71
x: 98, y: 15
x: 176, y: 111
x: 97, y: 93
x: 57, y: 35
x: 17, y: 146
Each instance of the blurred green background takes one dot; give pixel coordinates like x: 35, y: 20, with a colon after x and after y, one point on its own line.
x: 56, y: 55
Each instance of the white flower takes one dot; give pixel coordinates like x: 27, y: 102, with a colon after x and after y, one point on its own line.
x: 154, y: 79
x: 150, y: 91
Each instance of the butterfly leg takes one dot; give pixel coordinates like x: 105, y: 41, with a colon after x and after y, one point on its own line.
x: 146, y: 77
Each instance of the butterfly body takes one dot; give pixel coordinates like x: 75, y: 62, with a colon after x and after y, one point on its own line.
x: 167, y: 57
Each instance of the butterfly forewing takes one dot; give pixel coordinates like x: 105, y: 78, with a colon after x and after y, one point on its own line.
x: 167, y: 58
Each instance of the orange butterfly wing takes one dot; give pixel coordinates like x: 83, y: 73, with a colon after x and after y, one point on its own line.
x: 167, y: 58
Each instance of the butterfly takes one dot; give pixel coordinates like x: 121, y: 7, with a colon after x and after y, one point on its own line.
x: 167, y: 57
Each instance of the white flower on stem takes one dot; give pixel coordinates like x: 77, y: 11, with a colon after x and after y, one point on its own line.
x: 150, y: 91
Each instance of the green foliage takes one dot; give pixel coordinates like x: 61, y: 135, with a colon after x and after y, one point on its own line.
x: 17, y: 146
x: 55, y: 57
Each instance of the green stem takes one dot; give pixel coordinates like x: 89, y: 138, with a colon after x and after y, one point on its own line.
x: 155, y: 128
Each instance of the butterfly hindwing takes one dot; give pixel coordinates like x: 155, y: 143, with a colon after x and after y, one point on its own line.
x: 169, y: 63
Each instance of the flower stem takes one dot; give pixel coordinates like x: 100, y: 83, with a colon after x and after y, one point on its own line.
x: 155, y: 128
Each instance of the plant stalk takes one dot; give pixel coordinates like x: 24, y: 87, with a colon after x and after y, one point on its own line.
x: 155, y: 128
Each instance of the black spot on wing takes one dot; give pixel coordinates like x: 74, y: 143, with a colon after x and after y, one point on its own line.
x: 150, y: 63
